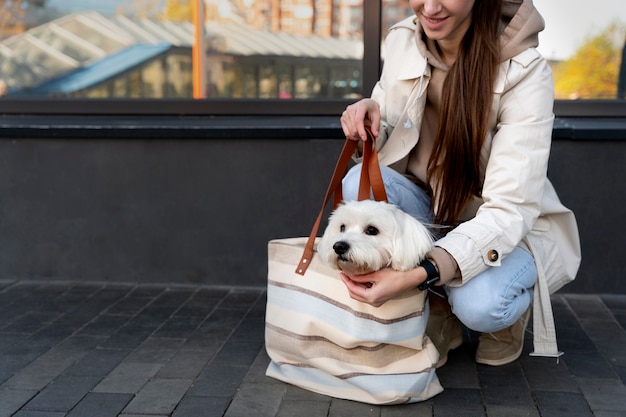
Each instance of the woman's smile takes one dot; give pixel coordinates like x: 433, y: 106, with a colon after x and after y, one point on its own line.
x: 434, y: 23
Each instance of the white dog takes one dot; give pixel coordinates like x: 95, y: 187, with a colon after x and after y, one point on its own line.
x: 365, y: 236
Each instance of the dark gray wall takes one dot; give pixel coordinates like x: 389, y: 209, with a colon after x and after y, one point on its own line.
x: 590, y: 177
x: 154, y: 210
x: 202, y: 211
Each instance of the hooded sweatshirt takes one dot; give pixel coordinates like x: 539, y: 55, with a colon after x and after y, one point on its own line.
x: 521, y: 24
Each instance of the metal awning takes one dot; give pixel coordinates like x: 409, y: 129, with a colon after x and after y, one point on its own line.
x: 81, y: 40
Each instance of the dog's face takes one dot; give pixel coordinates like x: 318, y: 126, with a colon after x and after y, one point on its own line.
x: 365, y: 236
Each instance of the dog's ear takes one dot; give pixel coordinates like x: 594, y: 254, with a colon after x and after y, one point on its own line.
x: 412, y: 241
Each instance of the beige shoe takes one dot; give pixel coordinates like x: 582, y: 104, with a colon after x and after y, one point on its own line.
x: 446, y: 333
x: 503, y: 346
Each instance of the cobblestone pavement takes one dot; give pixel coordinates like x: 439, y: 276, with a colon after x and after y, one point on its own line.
x: 99, y: 350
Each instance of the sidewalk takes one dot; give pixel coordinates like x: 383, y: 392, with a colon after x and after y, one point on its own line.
x: 99, y: 350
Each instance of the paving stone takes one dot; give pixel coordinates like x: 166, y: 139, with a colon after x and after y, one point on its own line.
x: 240, y: 351
x: 101, y: 405
x: 178, y: 327
x: 49, y: 336
x: 344, y: 408
x: 17, y: 358
x: 62, y: 394
x: 581, y: 355
x: 127, y: 378
x: 12, y: 400
x: 240, y: 298
x: 155, y: 350
x: 604, y: 394
x: 511, y: 411
x: 608, y: 414
x: 9, y: 340
x: 158, y: 396
x: 290, y: 408
x: 216, y: 329
x: 105, y: 325
x: 422, y: 409
x: 546, y: 374
x: 174, y: 298
x: 152, y: 317
x: 30, y: 322
x: 11, y: 309
x: 130, y: 305
x: 138, y: 415
x: 99, y: 362
x: 609, y: 338
x: 193, y: 406
x: 258, y: 400
x: 257, y: 311
x: 100, y: 302
x: 504, y: 385
x: 459, y: 403
x: 601, y: 327
x: 294, y: 393
x: 51, y: 364
x: 185, y: 364
x: 202, y: 303
x: 219, y: 381
x: 245, y: 343
x: 29, y: 413
x: 562, y: 404
x: 460, y: 370
x: 256, y: 372
x: 587, y: 306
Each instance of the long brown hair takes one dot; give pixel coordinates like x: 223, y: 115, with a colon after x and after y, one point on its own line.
x: 467, y: 95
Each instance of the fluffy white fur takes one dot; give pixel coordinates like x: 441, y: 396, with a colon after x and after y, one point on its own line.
x: 365, y: 236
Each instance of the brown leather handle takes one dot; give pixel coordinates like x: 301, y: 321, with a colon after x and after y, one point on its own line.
x: 371, y: 181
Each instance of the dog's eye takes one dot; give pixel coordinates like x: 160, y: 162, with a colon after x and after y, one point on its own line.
x: 371, y: 231
x: 342, y: 228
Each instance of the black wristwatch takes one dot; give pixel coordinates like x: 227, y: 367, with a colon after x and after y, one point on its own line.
x: 432, y: 275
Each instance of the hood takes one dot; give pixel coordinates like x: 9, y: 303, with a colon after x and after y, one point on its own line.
x: 522, y: 24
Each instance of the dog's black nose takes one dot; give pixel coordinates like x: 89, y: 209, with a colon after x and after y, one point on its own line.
x: 341, y: 247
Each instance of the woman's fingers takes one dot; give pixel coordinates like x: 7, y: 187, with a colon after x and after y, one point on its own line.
x: 356, y: 116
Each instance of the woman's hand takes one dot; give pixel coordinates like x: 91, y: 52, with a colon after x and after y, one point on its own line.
x: 381, y: 286
x: 357, y: 115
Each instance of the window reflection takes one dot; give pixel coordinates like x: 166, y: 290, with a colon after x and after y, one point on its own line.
x: 269, y: 49
x: 253, y: 49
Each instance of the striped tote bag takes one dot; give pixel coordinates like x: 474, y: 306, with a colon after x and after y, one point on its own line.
x: 320, y: 339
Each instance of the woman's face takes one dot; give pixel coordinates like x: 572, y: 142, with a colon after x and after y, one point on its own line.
x: 444, y: 20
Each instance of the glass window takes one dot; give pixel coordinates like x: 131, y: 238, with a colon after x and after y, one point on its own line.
x: 268, y: 49
x: 260, y: 49
x: 584, y: 43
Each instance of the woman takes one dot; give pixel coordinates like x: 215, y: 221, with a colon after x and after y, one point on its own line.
x: 463, y: 119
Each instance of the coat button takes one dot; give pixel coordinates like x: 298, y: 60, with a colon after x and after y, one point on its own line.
x: 493, y: 255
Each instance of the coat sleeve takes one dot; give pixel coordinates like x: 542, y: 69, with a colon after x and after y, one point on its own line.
x: 395, y: 86
x: 515, y: 160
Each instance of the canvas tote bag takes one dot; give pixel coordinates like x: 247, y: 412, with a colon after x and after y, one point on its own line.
x: 320, y: 339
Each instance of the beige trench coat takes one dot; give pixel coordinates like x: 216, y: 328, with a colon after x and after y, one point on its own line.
x: 519, y: 206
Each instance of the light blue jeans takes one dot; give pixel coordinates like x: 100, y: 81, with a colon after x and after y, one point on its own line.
x: 492, y: 300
